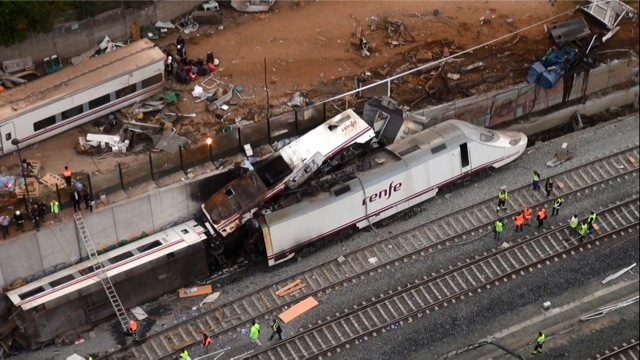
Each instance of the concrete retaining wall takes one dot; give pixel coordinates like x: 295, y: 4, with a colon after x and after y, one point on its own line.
x: 115, y: 24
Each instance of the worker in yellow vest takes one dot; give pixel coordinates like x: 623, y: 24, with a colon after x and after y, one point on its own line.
x: 539, y: 342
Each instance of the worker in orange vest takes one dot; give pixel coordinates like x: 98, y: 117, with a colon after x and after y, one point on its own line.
x: 67, y: 175
x: 133, y: 328
x: 527, y: 215
x: 206, y: 340
x: 542, y: 214
x: 519, y: 222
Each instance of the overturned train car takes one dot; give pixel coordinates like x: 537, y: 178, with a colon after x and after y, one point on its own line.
x: 74, y: 298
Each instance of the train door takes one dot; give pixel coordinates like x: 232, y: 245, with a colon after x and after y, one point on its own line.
x: 8, y: 133
x: 465, y: 162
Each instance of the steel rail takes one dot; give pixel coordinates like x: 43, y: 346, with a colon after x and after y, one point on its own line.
x: 396, y: 306
x: 631, y: 350
x: 411, y: 243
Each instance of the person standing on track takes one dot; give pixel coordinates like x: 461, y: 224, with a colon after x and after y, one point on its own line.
x: 542, y: 214
x: 591, y: 219
x: 582, y: 231
x: 133, y: 329
x: 539, y: 341
x: 573, y: 224
x: 527, y: 215
x: 206, y: 340
x: 557, y: 203
x: 548, y: 186
x: 255, y: 332
x: 519, y: 222
x: 502, y: 200
x: 276, y: 330
x: 497, y: 229
x: 536, y: 180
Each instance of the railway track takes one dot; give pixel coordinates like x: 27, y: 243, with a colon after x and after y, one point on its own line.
x: 430, y: 293
x: 460, y: 226
x: 627, y: 351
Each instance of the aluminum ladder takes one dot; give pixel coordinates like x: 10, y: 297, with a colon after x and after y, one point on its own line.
x: 100, y: 272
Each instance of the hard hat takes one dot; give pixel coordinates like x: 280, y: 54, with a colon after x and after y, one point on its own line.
x: 17, y: 212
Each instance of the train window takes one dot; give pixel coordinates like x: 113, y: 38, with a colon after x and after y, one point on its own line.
x: 117, y: 259
x: 30, y: 293
x: 127, y: 90
x: 184, y: 231
x: 486, y: 137
x: 343, y: 190
x: 154, y: 80
x: 409, y: 150
x: 7, y: 136
x: 229, y: 193
x: 464, y: 155
x: 39, y: 125
x: 149, y: 246
x: 437, y: 149
x: 72, y: 112
x: 62, y: 280
x: 97, y: 102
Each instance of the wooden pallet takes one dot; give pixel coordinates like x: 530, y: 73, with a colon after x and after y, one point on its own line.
x: 34, y: 188
x: 51, y: 180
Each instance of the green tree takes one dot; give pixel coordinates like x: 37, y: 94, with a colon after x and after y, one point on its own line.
x: 86, y: 9
x: 20, y: 18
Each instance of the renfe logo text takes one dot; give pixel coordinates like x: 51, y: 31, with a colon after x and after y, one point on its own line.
x: 383, y: 194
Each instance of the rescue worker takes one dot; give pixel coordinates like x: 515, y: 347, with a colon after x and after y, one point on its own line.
x: 67, y: 175
x: 542, y: 214
x: 185, y: 355
x: 584, y: 228
x: 519, y: 222
x: 548, y: 186
x: 255, y: 332
x: 42, y: 210
x: 276, y: 330
x: 180, y: 41
x: 497, y: 229
x: 168, y: 67
x: 33, y: 211
x: 557, y: 203
x: 133, y: 329
x: 536, y: 180
x: 527, y: 215
x: 19, y: 219
x: 502, y: 200
x: 88, y: 200
x: 591, y: 219
x: 573, y: 224
x: 54, y: 207
x: 539, y: 342
x: 206, y: 340
x: 364, y: 47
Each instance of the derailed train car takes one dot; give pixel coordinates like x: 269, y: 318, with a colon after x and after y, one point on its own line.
x: 358, y: 190
x: 142, y: 271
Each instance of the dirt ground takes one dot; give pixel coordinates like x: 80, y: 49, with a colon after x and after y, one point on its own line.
x: 311, y: 47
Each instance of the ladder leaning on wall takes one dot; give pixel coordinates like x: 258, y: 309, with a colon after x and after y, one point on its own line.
x: 100, y: 271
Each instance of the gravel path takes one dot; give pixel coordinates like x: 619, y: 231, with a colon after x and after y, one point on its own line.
x: 587, y: 144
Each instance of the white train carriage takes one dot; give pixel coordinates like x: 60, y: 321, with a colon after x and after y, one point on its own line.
x: 395, y: 178
x: 140, y: 271
x: 78, y: 94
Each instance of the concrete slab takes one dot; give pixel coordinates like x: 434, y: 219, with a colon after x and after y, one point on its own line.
x: 58, y: 244
x: 20, y: 257
x: 133, y: 217
x: 168, y: 204
x: 598, y: 79
x: 102, y: 228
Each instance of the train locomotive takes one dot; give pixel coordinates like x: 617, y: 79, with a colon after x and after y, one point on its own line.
x: 364, y: 184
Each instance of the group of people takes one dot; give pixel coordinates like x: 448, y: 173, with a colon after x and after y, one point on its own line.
x: 523, y: 217
x: 187, y: 70
x: 37, y: 212
x: 78, y: 197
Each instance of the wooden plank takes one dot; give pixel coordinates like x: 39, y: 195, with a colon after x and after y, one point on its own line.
x: 298, y: 309
x: 199, y: 290
x: 596, y: 227
x: 632, y: 160
x: 288, y: 286
x: 34, y: 188
x: 560, y: 184
x: 290, y: 290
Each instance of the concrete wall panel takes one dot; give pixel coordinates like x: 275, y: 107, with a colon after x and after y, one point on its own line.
x: 598, y: 79
x: 20, y: 257
x: 168, y: 204
x: 133, y: 217
x: 578, y: 88
x: 102, y: 228
x: 58, y: 244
